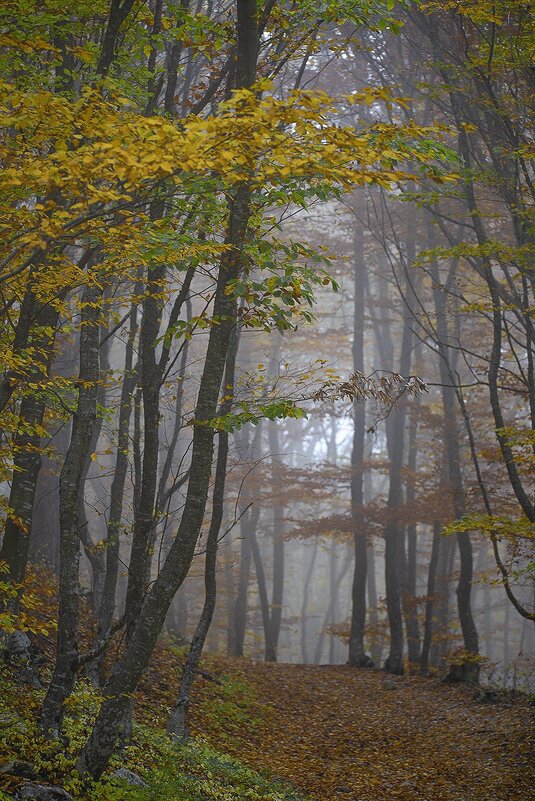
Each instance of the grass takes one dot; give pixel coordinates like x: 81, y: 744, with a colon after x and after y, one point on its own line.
x: 173, y: 771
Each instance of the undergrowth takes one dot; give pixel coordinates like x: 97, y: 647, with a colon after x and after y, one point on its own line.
x: 173, y: 770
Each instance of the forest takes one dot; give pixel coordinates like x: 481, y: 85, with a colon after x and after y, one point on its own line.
x: 267, y: 400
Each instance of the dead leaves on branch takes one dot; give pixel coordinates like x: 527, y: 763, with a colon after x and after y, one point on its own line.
x: 386, y: 389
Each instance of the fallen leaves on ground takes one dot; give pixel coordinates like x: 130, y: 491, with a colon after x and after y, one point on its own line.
x: 359, y: 735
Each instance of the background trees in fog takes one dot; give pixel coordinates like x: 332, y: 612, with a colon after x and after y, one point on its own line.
x: 205, y: 473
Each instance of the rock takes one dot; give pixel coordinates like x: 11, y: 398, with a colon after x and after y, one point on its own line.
x: 343, y: 789
x: 29, y: 675
x: 129, y: 777
x: 390, y: 684
x: 487, y: 695
x: 17, y: 644
x: 28, y: 657
x: 12, y: 722
x: 42, y: 792
x: 18, y: 768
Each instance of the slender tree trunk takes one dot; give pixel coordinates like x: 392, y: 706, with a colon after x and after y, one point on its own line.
x: 304, y: 603
x: 410, y: 607
x: 95, y: 555
x: 178, y: 722
x: 357, y: 654
x: 128, y: 670
x: 150, y: 379
x: 270, y: 648
x: 107, y: 602
x: 238, y: 625
x: 70, y: 488
x: 373, y: 617
x: 278, y: 541
x: 468, y: 670
x: 249, y: 518
x: 393, y: 560
x: 334, y: 584
x: 394, y: 546
x: 440, y: 650
x: 27, y: 462
x: 336, y: 580
x: 430, y: 601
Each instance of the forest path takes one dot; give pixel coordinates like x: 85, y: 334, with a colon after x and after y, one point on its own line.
x: 360, y: 735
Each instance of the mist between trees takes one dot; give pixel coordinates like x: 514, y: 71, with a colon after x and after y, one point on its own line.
x: 267, y: 340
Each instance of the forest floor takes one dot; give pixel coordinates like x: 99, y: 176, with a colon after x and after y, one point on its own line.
x: 360, y: 735
x: 285, y: 732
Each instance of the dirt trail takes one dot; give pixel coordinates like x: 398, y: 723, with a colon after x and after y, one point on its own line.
x: 359, y: 735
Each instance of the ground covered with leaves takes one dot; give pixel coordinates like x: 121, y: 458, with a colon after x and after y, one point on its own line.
x: 265, y: 732
x: 360, y: 735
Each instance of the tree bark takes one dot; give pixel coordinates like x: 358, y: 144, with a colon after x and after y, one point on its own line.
x: 126, y: 674
x: 178, y: 722
x: 277, y: 592
x: 410, y: 607
x: 70, y: 488
x: 107, y: 602
x: 249, y: 518
x: 28, y: 459
x: 468, y: 670
x: 357, y: 654
x: 430, y: 601
x: 304, y: 602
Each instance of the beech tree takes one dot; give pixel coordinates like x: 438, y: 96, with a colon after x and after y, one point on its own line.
x: 177, y: 184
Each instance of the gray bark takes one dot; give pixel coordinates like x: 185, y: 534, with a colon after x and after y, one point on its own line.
x: 70, y: 489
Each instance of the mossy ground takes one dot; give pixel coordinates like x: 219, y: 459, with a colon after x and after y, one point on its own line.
x: 174, y: 771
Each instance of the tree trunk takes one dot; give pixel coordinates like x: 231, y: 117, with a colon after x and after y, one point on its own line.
x: 178, y: 723
x: 270, y: 648
x: 357, y: 654
x: 70, y: 488
x: 468, y: 670
x: 238, y: 624
x: 304, y: 602
x: 107, y: 603
x: 440, y: 649
x: 278, y: 541
x: 27, y: 462
x: 150, y: 380
x: 373, y: 617
x: 410, y: 607
x: 128, y: 670
x: 249, y: 518
x: 430, y: 601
